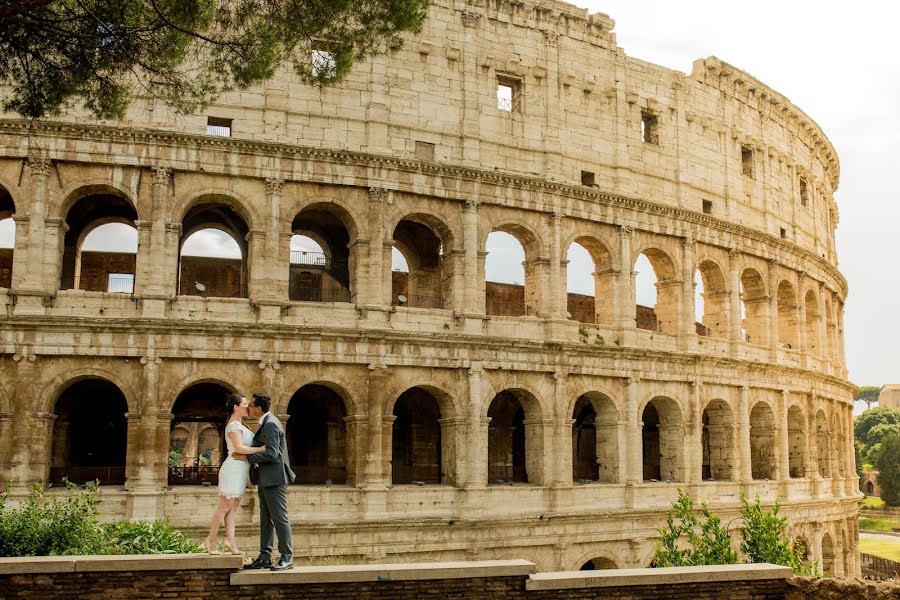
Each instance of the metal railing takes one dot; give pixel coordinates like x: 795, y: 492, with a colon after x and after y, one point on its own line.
x: 403, y: 474
x: 310, y: 259
x: 112, y: 283
x: 81, y: 475
x: 194, y: 475
x: 319, y: 474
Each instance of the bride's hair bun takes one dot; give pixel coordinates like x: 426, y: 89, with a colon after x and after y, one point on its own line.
x: 231, y: 401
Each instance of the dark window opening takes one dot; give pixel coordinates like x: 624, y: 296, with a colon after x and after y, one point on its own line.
x: 747, y: 161
x: 587, y: 178
x: 509, y: 94
x: 218, y: 126
x: 649, y: 128
x: 783, y: 233
x: 804, y: 192
x: 707, y: 207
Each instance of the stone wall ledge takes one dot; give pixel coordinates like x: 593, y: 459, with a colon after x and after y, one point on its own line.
x: 387, y: 572
x: 144, y: 562
x: 663, y: 576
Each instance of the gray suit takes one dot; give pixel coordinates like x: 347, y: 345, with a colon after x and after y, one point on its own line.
x: 271, y: 472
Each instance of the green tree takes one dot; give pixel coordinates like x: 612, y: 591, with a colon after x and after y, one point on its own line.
x: 868, y: 394
x: 765, y: 539
x: 186, y: 52
x: 872, y: 418
x: 689, y: 541
x: 176, y: 456
x: 888, y: 464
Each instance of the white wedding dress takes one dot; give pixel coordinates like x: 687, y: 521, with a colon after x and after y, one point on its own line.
x: 234, y: 474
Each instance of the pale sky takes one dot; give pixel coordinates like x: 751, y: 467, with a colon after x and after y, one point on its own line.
x: 839, y: 63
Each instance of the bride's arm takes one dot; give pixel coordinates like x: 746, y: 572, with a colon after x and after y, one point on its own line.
x: 238, y: 444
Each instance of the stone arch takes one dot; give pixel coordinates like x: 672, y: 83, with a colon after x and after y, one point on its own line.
x: 194, y: 379
x: 88, y: 207
x: 664, y: 315
x: 813, y: 322
x: 515, y: 437
x: 598, y: 563
x: 225, y: 196
x: 199, y: 408
x: 595, y: 438
x: 788, y: 326
x: 796, y: 424
x: 717, y: 442
x: 823, y: 445
x: 754, y: 306
x: 424, y: 240
x: 715, y: 299
x: 601, y: 307
x: 57, y: 385
x: 331, y: 381
x: 318, y: 437
x: 762, y: 441
x: 662, y: 436
x: 89, y: 444
x: 332, y: 278
x: 829, y: 562
x: 209, y: 276
x: 81, y: 188
x: 439, y: 390
x: 417, y: 441
x: 505, y: 299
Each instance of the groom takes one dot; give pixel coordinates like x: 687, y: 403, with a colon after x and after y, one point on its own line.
x: 270, y: 471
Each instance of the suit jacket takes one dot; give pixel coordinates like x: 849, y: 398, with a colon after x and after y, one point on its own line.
x: 272, y: 467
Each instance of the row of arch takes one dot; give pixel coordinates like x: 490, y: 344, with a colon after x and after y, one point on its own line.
x: 90, y: 432
x: 324, y: 265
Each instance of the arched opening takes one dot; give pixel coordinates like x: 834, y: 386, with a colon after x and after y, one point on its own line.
x: 316, y: 435
x: 7, y: 237
x: 828, y: 563
x: 711, y: 301
x: 511, y: 273
x: 762, y: 442
x: 796, y: 443
x: 427, y: 281
x: 718, y: 442
x: 662, y: 436
x: 870, y: 488
x: 90, y: 434
x: 212, y: 252
x: 416, y: 439
x: 655, y: 292
x: 590, y: 282
x: 754, y: 304
x: 598, y: 564
x: 823, y: 449
x: 595, y: 439
x: 100, y: 245
x: 787, y: 316
x: 514, y: 440
x: 813, y: 323
x: 320, y: 272
x: 197, y: 434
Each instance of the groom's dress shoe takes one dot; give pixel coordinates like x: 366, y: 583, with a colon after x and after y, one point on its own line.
x: 259, y: 563
x: 282, y: 565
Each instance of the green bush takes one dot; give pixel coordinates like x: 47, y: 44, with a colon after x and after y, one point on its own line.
x: 765, y: 540
x: 52, y: 525
x: 888, y: 464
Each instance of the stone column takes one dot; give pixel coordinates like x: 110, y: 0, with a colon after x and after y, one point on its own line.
x: 23, y: 472
x: 693, y: 464
x: 37, y: 277
x: 277, y: 263
x: 132, y: 448
x: 561, y: 457
x: 634, y: 466
x: 782, y: 452
x: 163, y: 432
x: 557, y: 293
x: 20, y: 272
x: 172, y: 254
x: 773, y: 309
x: 688, y: 318
x: 473, y: 454
x: 7, y: 431
x: 377, y: 472
x: 743, y: 435
x: 156, y: 272
x: 370, y: 279
x: 254, y: 286
x: 625, y: 308
x: 356, y: 447
x: 452, y: 440
x: 734, y: 296
x: 800, y: 316
x: 823, y: 326
x: 473, y: 301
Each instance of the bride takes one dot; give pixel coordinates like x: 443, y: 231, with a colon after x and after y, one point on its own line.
x: 233, y: 474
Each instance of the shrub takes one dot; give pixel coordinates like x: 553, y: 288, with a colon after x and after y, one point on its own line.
x: 765, y: 539
x: 711, y: 546
x: 888, y: 464
x: 69, y: 524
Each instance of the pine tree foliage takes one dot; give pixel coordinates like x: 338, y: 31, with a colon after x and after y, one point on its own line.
x: 186, y: 52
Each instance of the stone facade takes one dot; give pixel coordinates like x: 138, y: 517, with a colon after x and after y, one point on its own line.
x: 444, y: 427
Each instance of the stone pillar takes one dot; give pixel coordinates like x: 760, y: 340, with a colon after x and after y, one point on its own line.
x: 172, y: 254
x: 132, y: 448
x: 625, y: 308
x: 743, y: 435
x: 20, y: 272
x: 156, y: 272
x: 557, y: 294
x: 773, y: 309
x: 163, y: 432
x: 23, y: 472
x: 823, y: 326
x: 370, y: 280
x: 452, y: 440
x: 800, y: 316
x: 782, y: 452
x: 36, y: 277
x: 254, y: 286
x: 634, y: 465
x: 561, y: 436
x: 473, y: 301
x: 377, y: 472
x: 277, y: 261
x: 850, y: 452
x: 356, y: 447
x: 734, y: 296
x: 693, y: 463
x: 688, y: 318
x: 473, y: 454
x: 7, y: 431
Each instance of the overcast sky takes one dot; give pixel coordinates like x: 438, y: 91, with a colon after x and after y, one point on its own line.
x: 839, y: 63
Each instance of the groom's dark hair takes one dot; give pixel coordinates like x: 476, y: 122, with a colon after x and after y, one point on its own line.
x: 262, y: 401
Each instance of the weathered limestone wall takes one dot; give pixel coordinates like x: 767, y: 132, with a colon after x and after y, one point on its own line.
x: 760, y: 405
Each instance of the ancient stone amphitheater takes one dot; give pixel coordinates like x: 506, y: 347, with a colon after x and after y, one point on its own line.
x: 431, y: 414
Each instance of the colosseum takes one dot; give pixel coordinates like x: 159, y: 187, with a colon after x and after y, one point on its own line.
x: 431, y: 413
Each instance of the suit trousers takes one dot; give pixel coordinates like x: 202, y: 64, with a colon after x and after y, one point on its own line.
x: 273, y: 519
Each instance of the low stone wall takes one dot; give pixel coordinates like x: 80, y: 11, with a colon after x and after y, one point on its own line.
x: 811, y: 588
x: 204, y: 577
x: 875, y: 567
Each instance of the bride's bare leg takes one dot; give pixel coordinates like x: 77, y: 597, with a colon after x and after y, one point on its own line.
x: 230, y: 518
x: 217, y: 518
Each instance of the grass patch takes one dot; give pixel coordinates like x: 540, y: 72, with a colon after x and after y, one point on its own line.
x: 883, y: 548
x: 868, y: 524
x: 872, y: 502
